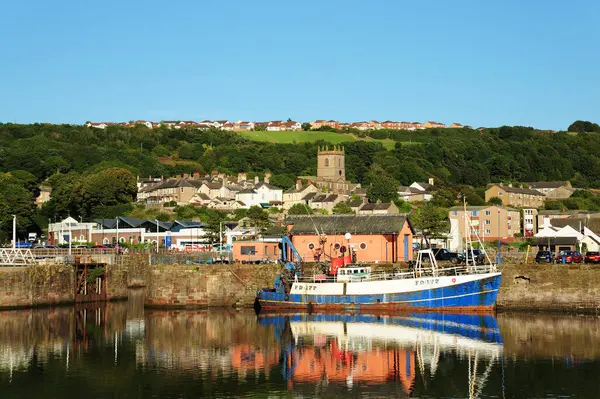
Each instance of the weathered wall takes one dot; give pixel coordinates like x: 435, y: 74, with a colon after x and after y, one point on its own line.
x: 38, y: 285
x: 208, y: 285
x: 570, y: 288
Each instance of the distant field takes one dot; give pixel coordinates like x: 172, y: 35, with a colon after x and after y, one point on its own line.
x: 310, y: 136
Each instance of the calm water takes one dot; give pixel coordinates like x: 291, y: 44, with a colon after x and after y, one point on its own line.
x: 121, y: 351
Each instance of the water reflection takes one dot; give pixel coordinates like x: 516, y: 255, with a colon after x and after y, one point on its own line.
x: 120, y: 349
x: 371, y: 350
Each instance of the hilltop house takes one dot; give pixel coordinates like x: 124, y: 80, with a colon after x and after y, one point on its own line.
x: 554, y: 190
x: 297, y: 194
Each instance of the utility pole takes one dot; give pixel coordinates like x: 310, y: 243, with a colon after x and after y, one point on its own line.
x: 157, y: 239
x: 70, y: 239
x: 498, y: 257
x: 117, y: 247
x: 14, y: 231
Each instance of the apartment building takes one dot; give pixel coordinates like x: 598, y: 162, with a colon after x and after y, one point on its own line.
x: 488, y: 222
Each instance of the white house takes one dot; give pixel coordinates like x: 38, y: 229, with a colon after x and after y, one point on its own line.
x: 262, y: 193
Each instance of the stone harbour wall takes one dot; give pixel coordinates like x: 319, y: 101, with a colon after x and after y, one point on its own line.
x: 39, y: 285
x: 544, y: 287
x: 207, y: 285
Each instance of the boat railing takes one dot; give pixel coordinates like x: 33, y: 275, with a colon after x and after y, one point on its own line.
x: 399, y: 274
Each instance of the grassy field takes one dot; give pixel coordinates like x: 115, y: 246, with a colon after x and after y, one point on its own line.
x: 310, y: 136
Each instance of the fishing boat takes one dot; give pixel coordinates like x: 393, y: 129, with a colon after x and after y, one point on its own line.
x: 424, y: 286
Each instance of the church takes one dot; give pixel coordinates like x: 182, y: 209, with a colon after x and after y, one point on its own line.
x: 331, y: 171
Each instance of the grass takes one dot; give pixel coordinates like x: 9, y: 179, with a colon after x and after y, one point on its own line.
x: 312, y: 136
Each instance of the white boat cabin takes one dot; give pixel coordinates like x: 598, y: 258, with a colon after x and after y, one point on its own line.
x: 354, y: 273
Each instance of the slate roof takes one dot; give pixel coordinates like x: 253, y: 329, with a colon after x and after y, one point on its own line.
x: 478, y: 208
x: 341, y: 224
x: 247, y: 191
x: 309, y: 196
x: 519, y: 190
x: 267, y: 185
x: 355, y: 203
x: 547, y: 184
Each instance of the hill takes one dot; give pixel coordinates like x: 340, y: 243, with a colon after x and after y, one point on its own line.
x: 311, y: 137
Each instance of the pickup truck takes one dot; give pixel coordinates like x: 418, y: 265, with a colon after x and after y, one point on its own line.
x: 444, y: 255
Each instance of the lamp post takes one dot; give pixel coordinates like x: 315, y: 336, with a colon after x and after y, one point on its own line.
x: 157, y: 239
x: 14, y: 231
x: 498, y: 258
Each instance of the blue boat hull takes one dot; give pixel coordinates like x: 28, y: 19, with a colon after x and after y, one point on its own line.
x: 473, y: 296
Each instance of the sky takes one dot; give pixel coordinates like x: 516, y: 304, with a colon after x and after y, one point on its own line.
x: 479, y: 63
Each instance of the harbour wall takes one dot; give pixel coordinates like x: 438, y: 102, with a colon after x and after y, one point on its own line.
x: 548, y: 287
x: 218, y: 285
x: 52, y: 284
x: 531, y: 287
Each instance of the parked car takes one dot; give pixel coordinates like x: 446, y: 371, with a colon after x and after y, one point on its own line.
x: 478, y: 255
x: 544, y: 257
x: 592, y: 257
x: 569, y: 257
x: 445, y: 255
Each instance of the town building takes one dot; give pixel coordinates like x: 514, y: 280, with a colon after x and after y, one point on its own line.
x: 331, y: 171
x: 298, y: 193
x: 553, y: 190
x: 379, y: 208
x: 515, y: 196
x: 487, y: 223
x: 371, y: 238
x: 416, y: 192
x: 177, y: 234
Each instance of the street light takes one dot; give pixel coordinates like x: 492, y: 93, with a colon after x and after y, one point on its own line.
x: 156, y: 220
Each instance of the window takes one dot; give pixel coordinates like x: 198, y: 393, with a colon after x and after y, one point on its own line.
x: 266, y: 250
x: 500, y: 193
x: 453, y: 213
x: 326, y: 162
x: 248, y: 250
x: 337, y: 246
x: 488, y: 221
x: 488, y: 231
x: 488, y: 213
x: 311, y: 246
x: 363, y: 245
x: 474, y: 213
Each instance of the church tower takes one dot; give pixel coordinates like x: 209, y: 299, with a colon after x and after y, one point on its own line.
x: 330, y: 164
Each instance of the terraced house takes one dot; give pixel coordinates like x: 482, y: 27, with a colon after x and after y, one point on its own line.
x: 515, y: 196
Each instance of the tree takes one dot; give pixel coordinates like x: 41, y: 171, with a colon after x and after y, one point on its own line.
x: 300, y: 209
x: 583, y: 126
x: 342, y: 208
x: 432, y: 221
x: 495, y: 201
x: 306, y: 126
x: 383, y: 188
x: 258, y: 217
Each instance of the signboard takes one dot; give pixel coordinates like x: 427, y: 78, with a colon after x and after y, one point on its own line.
x: 168, y: 241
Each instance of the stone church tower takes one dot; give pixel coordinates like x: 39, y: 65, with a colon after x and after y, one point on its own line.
x: 331, y: 170
x: 330, y: 164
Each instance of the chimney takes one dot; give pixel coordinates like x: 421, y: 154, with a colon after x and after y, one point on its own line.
x: 150, y: 177
x: 298, y: 184
x: 255, y: 180
x: 196, y: 175
x: 267, y: 177
x: 214, y: 172
x: 309, y: 182
x: 162, y: 178
x: 431, y: 181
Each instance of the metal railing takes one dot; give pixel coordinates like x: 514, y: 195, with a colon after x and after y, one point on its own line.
x: 16, y: 257
x: 401, y: 274
x: 190, y: 258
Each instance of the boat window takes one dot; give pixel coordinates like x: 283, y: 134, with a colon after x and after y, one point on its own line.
x: 362, y: 270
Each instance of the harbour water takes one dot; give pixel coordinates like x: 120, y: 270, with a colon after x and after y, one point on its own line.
x: 120, y: 350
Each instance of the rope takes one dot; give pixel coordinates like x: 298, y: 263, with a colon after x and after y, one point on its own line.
x: 236, y: 276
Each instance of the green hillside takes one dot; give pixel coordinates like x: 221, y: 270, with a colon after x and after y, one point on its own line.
x: 289, y: 137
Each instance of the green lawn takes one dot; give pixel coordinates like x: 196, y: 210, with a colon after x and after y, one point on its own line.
x: 311, y: 136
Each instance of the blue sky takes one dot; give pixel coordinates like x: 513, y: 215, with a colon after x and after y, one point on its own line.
x: 482, y: 63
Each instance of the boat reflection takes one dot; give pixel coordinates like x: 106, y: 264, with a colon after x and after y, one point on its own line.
x: 363, y: 349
